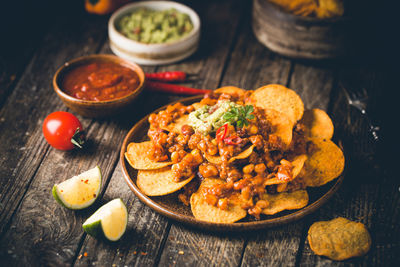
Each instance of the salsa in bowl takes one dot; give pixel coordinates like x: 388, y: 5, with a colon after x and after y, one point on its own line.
x: 98, y: 85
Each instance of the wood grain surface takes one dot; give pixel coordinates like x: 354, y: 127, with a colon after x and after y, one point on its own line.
x: 36, y: 231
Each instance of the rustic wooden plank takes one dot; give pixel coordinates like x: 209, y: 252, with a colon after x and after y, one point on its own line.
x: 313, y: 84
x: 22, y: 115
x: 366, y: 195
x: 22, y: 146
x: 191, y: 247
x: 30, y: 27
x: 386, y: 242
x: 251, y: 65
x: 277, y: 246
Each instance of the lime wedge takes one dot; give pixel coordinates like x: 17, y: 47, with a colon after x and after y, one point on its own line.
x: 79, y: 191
x: 109, y: 221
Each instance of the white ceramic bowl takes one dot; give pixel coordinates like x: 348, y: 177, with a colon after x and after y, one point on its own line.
x: 153, y: 54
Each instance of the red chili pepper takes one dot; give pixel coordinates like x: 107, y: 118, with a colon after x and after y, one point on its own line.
x: 233, y: 140
x: 221, y: 132
x: 174, y: 88
x: 167, y: 76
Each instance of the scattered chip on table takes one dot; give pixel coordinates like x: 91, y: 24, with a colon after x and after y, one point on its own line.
x: 339, y: 239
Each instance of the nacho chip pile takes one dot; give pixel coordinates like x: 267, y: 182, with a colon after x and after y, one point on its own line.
x: 258, y: 162
x: 312, y: 8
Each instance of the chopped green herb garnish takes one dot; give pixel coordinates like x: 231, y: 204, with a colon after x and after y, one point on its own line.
x: 240, y: 116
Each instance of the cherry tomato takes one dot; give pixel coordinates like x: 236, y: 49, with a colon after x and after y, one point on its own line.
x: 63, y: 130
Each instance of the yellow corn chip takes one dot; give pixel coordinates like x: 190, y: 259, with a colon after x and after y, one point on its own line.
x: 339, y: 239
x: 177, y: 124
x: 203, y: 211
x: 137, y: 156
x: 297, y: 164
x: 281, y: 125
x: 285, y: 201
x: 231, y: 90
x: 318, y: 124
x: 323, y: 165
x: 280, y: 98
x: 159, y: 182
x: 218, y: 159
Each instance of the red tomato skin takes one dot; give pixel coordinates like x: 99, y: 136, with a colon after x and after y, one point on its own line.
x: 58, y: 129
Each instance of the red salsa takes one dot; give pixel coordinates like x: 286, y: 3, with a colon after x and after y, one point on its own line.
x: 100, y: 81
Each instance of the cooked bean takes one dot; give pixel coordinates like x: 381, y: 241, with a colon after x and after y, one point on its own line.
x: 260, y: 168
x: 223, y: 203
x: 208, y: 170
x: 187, y: 130
x: 248, y: 168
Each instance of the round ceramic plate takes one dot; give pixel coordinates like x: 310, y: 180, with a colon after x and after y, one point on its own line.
x: 171, y: 207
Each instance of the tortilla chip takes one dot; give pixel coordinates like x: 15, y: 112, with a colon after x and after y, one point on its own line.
x: 318, y: 124
x: 137, y: 156
x: 203, y: 211
x: 297, y: 163
x: 281, y: 125
x: 323, y: 165
x: 159, y: 182
x: 230, y: 90
x: 329, y: 9
x: 285, y: 201
x: 280, y: 98
x: 218, y: 159
x: 339, y: 239
x: 177, y: 124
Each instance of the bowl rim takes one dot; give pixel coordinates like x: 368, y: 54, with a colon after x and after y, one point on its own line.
x: 105, y: 57
x: 304, y: 19
x: 194, y: 17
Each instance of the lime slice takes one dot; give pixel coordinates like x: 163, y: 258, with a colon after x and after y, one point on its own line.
x: 109, y: 221
x: 80, y: 191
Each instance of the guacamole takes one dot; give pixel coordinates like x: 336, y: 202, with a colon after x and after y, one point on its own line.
x: 205, y: 122
x: 155, y: 26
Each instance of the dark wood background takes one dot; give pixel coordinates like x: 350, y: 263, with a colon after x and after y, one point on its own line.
x: 39, y: 36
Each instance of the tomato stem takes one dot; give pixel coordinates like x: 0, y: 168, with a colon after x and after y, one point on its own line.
x: 77, y: 139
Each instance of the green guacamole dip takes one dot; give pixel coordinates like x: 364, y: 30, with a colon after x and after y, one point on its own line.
x: 155, y: 26
x: 203, y: 122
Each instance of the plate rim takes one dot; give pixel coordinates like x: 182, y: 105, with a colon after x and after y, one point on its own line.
x: 217, y: 227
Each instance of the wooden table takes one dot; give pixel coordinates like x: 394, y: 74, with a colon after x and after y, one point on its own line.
x: 36, y: 231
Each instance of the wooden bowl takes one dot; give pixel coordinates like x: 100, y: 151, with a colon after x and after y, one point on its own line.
x: 300, y: 37
x: 97, y: 109
x: 153, y: 54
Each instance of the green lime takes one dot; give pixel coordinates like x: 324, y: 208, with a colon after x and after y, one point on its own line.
x: 109, y: 221
x: 80, y: 191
